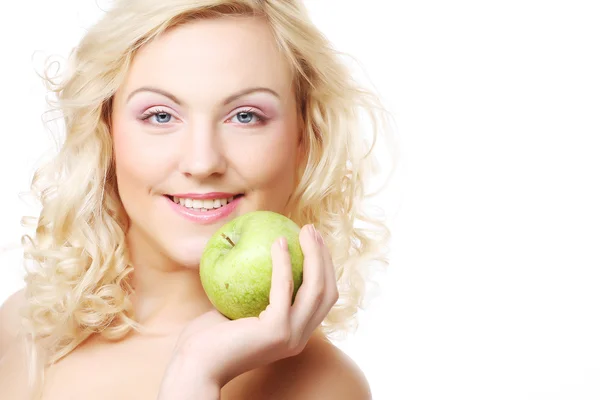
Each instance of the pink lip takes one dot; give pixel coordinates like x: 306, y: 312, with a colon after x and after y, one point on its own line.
x: 205, y: 196
x: 205, y: 217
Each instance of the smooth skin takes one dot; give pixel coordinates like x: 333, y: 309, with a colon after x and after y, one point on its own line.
x: 219, y: 136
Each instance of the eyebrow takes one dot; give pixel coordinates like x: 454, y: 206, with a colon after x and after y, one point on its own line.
x: 179, y: 102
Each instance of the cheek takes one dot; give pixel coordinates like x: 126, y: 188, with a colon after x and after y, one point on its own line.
x: 138, y: 158
x: 266, y: 160
x: 129, y: 166
x: 137, y: 165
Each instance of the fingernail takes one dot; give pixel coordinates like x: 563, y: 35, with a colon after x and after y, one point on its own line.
x: 313, y: 231
x: 283, y: 243
x: 317, y: 235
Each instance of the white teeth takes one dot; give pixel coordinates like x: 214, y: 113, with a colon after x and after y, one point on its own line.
x: 203, y: 205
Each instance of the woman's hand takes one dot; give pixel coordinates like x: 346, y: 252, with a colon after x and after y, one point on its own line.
x: 212, y: 349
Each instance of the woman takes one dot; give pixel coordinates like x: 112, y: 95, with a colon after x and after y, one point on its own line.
x: 180, y: 116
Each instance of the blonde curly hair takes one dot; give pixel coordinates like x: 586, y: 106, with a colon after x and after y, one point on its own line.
x: 77, y: 261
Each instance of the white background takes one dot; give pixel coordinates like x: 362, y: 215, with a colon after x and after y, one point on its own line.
x: 493, y: 290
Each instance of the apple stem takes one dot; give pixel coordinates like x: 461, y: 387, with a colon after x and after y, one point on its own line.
x: 227, y: 238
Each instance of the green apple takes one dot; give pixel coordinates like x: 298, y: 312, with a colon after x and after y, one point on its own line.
x: 236, y: 265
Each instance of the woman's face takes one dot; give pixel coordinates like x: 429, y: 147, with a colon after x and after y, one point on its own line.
x: 205, y: 129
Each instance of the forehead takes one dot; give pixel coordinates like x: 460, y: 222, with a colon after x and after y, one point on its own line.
x: 205, y: 60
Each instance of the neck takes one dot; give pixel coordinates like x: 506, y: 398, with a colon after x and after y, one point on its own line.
x: 165, y: 294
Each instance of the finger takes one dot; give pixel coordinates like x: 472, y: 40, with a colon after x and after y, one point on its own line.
x: 330, y: 298
x: 332, y: 293
x: 282, y: 283
x: 310, y: 293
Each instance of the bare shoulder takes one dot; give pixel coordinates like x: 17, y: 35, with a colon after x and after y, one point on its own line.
x: 321, y: 371
x: 10, y: 320
x: 13, y: 368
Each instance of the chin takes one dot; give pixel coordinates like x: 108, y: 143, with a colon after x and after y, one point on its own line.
x: 186, y: 253
x: 188, y: 261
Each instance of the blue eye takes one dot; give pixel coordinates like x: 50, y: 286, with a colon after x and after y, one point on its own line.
x: 248, y: 117
x: 162, y: 116
x: 245, y: 117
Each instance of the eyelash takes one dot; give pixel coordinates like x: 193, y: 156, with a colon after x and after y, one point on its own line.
x: 260, y: 119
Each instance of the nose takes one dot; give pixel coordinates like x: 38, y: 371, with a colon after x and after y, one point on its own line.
x: 202, y: 152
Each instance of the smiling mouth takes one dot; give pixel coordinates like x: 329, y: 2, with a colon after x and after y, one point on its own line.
x: 201, y: 204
